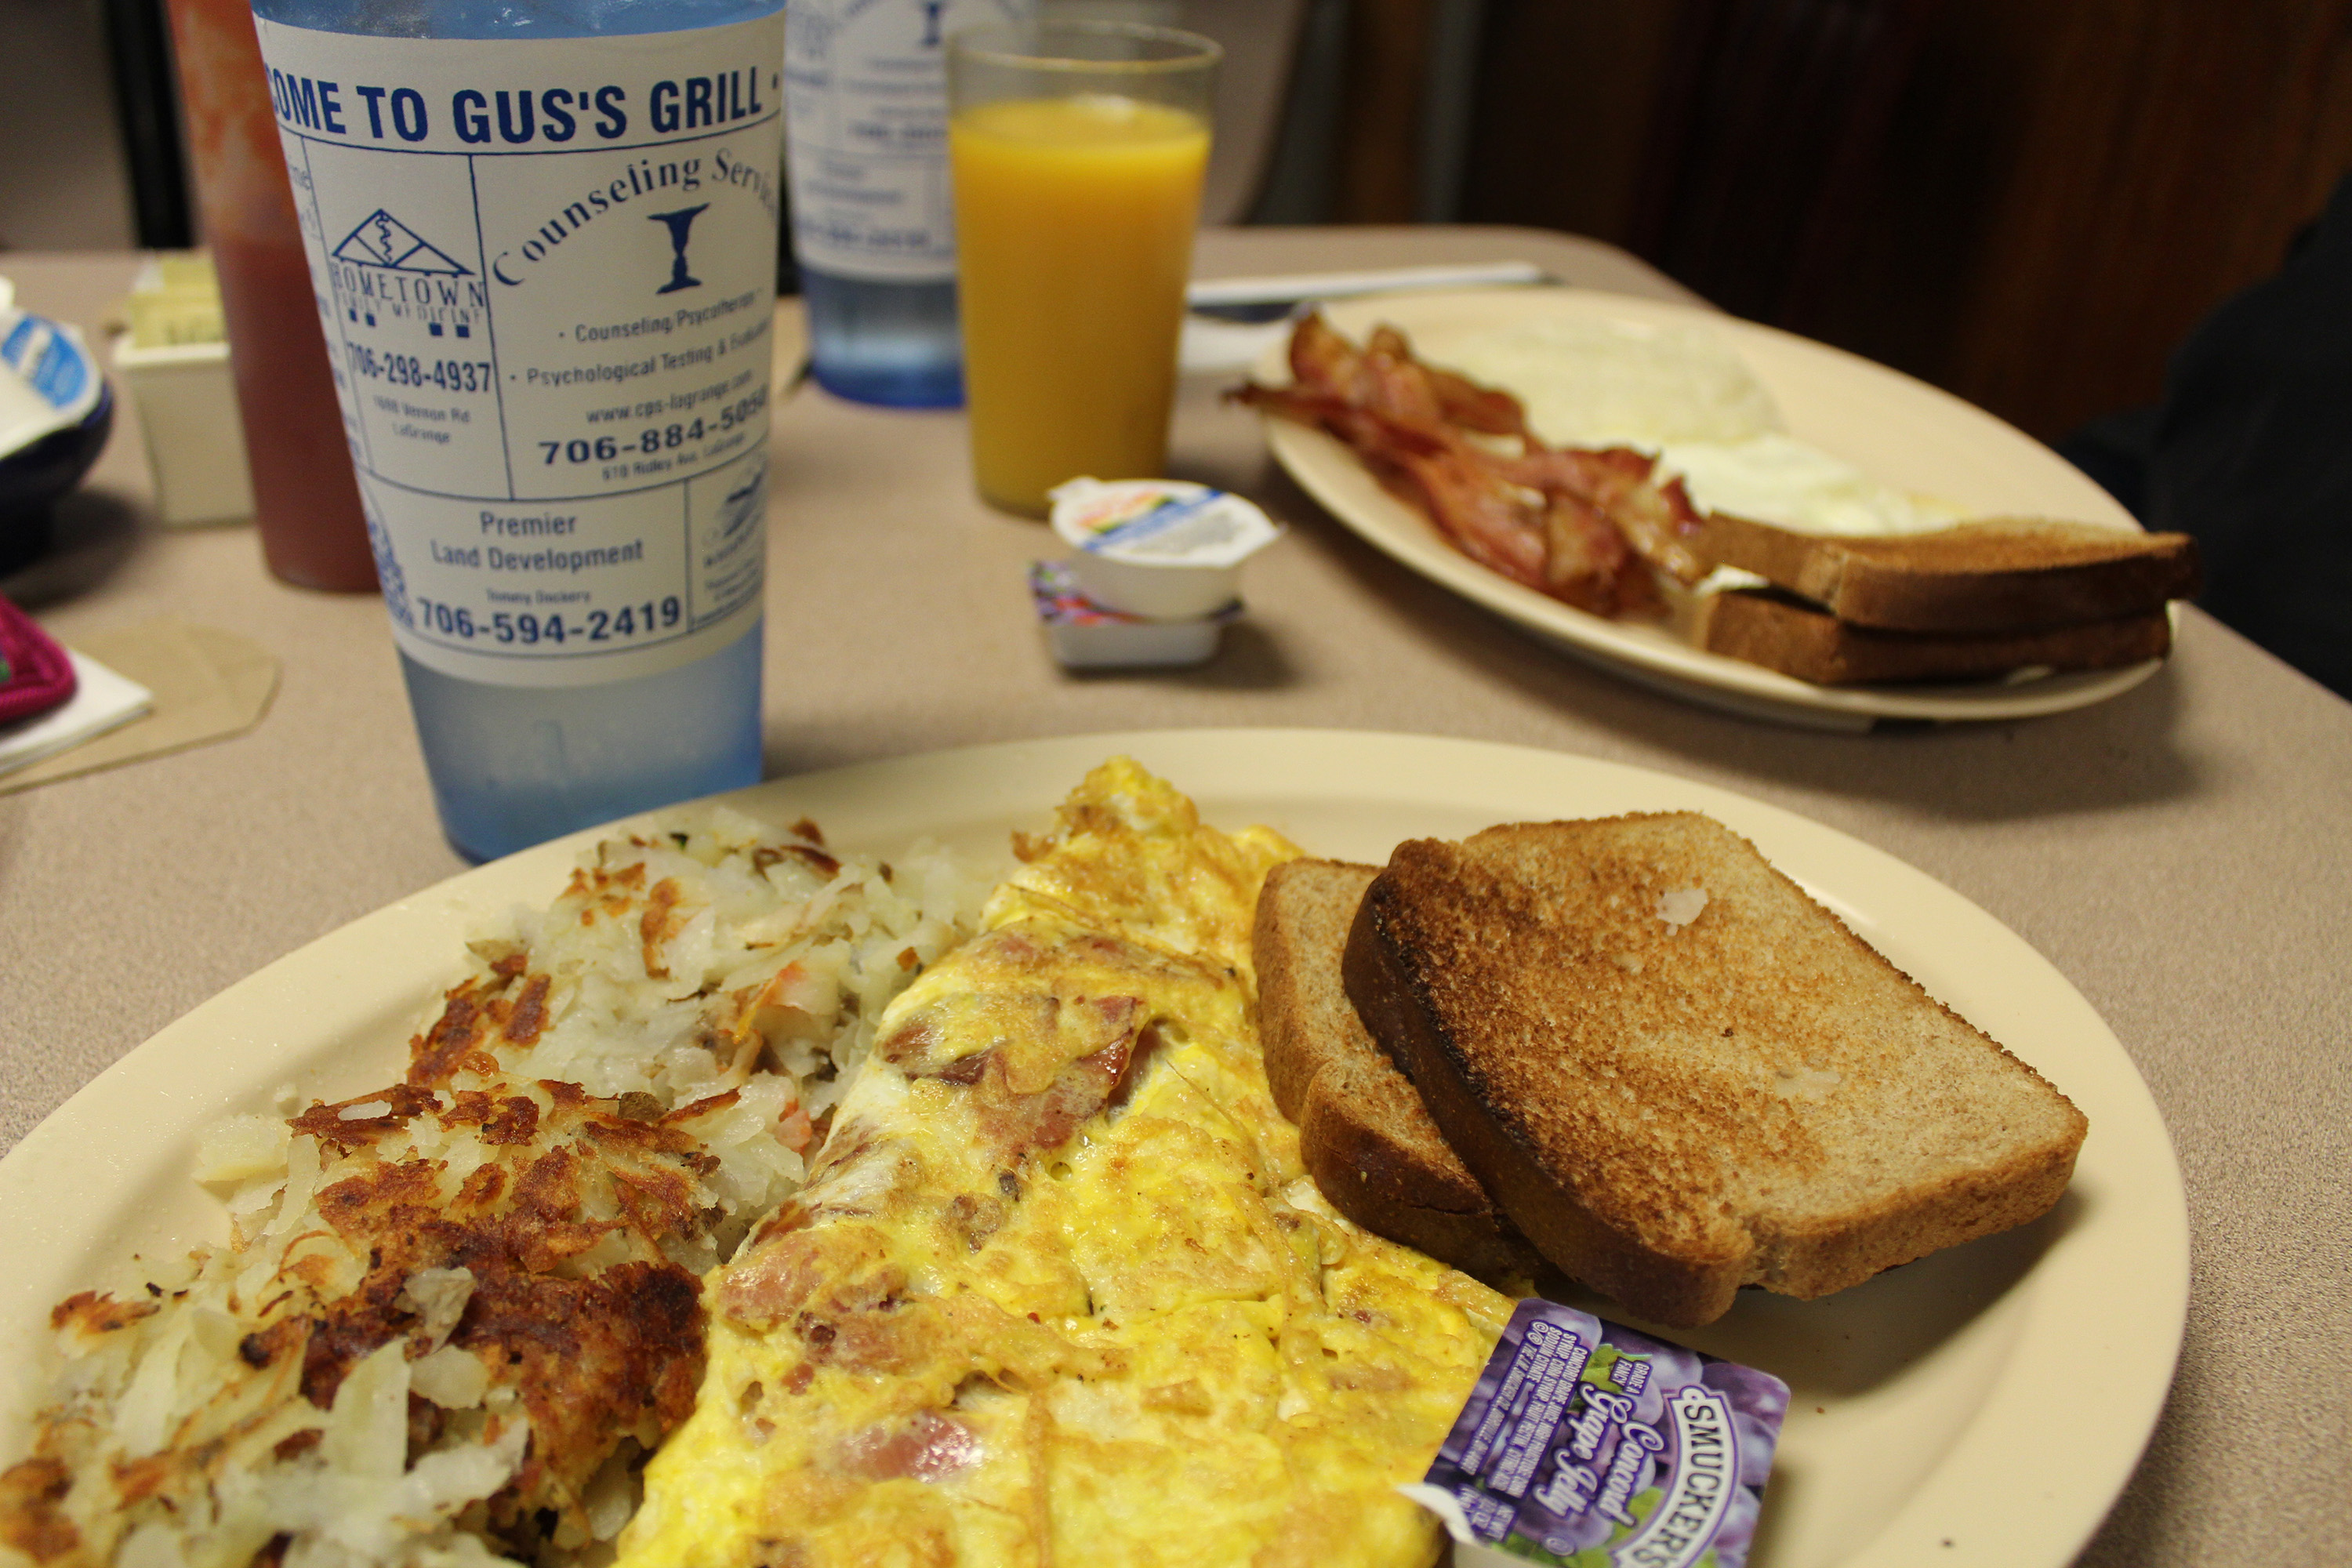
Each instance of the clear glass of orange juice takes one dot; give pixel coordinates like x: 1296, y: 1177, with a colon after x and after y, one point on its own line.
x: 1077, y: 149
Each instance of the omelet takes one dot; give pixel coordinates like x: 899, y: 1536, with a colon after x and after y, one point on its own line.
x: 1058, y: 1289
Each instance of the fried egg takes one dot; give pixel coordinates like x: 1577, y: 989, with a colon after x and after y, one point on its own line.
x: 1679, y: 392
x: 1059, y: 1289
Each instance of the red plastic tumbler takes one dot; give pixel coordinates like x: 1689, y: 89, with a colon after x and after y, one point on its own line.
x: 305, y: 502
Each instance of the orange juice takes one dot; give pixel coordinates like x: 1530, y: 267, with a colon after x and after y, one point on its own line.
x: 1074, y: 239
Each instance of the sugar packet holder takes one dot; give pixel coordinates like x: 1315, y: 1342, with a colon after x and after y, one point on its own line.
x: 1588, y: 1444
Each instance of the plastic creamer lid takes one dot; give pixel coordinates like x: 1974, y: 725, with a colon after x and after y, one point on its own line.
x: 1589, y: 1443
x: 48, y: 382
x: 1168, y: 522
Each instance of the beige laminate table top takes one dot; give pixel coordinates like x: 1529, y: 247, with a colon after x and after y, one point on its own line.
x: 2181, y: 853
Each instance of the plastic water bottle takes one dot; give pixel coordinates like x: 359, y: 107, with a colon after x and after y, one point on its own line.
x: 873, y: 228
x: 542, y: 238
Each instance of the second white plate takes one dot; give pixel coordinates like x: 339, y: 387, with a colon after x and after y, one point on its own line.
x: 1900, y: 431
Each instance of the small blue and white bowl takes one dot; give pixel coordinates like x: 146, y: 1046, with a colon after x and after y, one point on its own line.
x: 56, y: 413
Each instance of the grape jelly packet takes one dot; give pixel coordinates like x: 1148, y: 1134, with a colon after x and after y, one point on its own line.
x: 1589, y: 1445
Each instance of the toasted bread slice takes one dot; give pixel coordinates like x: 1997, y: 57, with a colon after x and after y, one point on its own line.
x: 1679, y: 1075
x: 1363, y: 1132
x: 1997, y: 575
x: 1780, y: 633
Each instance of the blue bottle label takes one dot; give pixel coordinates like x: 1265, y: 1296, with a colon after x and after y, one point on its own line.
x: 547, y: 273
x: 865, y: 88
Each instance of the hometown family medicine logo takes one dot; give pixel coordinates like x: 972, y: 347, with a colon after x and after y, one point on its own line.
x: 384, y: 266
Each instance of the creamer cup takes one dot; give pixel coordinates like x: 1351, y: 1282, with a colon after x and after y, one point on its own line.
x: 1163, y: 549
x: 1087, y: 635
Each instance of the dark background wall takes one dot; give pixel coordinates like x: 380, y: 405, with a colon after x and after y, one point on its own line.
x: 2028, y: 201
x: 2042, y: 195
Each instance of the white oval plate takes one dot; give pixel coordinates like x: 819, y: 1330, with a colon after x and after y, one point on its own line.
x: 1902, y: 431
x: 1982, y: 1406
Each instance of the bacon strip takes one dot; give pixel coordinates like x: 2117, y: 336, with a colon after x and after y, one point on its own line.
x: 1574, y: 523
